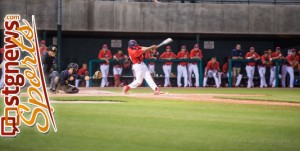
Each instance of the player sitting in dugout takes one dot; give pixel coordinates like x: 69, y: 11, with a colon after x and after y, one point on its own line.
x: 83, y: 71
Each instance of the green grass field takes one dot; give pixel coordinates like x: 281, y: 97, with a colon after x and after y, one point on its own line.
x: 154, y: 125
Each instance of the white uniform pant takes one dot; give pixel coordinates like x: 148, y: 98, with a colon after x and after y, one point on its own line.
x: 211, y: 73
x: 2, y: 83
x: 104, y: 70
x: 77, y: 81
x: 220, y: 77
x: 272, y: 81
x: 141, y: 72
x: 262, y: 73
x: 117, y: 70
x: 167, y: 71
x: 182, y: 72
x: 250, y: 74
x: 287, y: 69
x: 238, y: 81
x: 193, y: 68
x: 151, y: 68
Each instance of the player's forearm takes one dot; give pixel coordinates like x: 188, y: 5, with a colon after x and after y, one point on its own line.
x: 145, y: 49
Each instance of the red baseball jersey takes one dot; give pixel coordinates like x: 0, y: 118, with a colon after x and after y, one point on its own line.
x: 250, y: 54
x: 264, y: 59
x: 149, y: 55
x: 291, y: 58
x: 82, y: 71
x: 213, y: 66
x: 168, y: 55
x: 136, y: 55
x: 196, y: 53
x: 183, y: 55
x: 118, y: 56
x: 275, y: 54
x: 225, y: 67
x: 42, y: 50
x: 2, y: 52
x: 104, y: 54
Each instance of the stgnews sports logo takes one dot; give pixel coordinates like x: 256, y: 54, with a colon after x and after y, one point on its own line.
x: 21, y: 38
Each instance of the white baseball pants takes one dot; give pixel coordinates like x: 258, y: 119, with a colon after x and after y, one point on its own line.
x: 250, y: 74
x: 151, y: 68
x: 211, y: 73
x: 262, y: 73
x: 167, y: 71
x: 287, y: 69
x: 193, y: 68
x: 104, y: 70
x: 141, y: 72
x: 182, y: 72
x: 117, y: 71
x: 77, y: 81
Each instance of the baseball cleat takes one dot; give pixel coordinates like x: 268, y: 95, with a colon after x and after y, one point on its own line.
x: 157, y: 91
x: 126, y: 89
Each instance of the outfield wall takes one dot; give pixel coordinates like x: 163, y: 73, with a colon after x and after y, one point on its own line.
x: 95, y: 15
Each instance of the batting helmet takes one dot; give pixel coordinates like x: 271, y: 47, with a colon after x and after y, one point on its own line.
x: 132, y: 43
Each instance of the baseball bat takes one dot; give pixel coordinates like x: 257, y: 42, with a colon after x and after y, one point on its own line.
x: 165, y: 42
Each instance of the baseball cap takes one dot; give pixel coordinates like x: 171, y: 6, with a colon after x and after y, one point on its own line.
x: 196, y: 46
x: 104, y: 46
x: 183, y: 47
x: 42, y: 42
x: 168, y: 47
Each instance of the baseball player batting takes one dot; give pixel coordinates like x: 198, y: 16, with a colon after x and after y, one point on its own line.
x: 136, y: 54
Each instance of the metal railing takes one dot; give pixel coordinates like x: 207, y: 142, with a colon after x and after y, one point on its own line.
x: 277, y: 62
x: 146, y: 61
x: 200, y: 65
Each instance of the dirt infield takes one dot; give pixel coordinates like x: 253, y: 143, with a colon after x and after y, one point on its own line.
x: 168, y: 96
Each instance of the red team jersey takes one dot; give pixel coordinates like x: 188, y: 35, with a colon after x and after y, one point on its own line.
x: 2, y: 53
x: 136, y: 55
x: 250, y: 54
x: 213, y: 66
x: 195, y: 53
x: 291, y: 58
x: 264, y: 59
x: 82, y: 71
x: 275, y: 54
x: 225, y: 67
x: 149, y: 55
x: 118, y: 56
x: 182, y: 55
x: 104, y: 54
x: 168, y: 55
x: 42, y: 50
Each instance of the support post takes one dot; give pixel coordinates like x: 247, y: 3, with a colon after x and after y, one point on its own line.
x: 59, y: 35
x: 230, y: 73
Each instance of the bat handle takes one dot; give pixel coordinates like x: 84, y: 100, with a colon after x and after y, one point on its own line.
x: 159, y: 45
